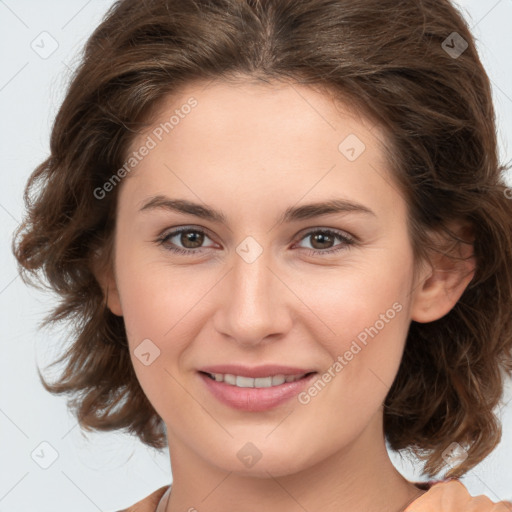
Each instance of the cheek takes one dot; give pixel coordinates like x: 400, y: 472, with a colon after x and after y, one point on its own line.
x: 369, y: 318
x: 157, y: 301
x: 167, y: 306
x: 156, y: 298
x: 359, y: 304
x: 366, y: 310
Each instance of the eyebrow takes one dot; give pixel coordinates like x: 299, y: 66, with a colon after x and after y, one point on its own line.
x: 293, y: 213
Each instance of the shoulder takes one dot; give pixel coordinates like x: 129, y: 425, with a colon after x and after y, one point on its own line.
x: 149, y: 503
x: 452, y: 496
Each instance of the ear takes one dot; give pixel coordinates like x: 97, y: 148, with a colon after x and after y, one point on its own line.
x: 103, y: 270
x: 446, y: 276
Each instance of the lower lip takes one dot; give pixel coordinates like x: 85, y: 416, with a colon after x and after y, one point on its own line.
x: 255, y: 399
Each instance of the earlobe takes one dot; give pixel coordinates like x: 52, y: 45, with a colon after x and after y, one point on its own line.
x: 439, y: 290
x: 105, y: 276
x: 112, y: 300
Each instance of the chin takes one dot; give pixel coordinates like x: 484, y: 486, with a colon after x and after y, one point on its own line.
x: 262, y: 462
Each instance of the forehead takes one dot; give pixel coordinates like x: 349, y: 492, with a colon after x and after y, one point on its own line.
x: 258, y: 139
x: 244, y: 111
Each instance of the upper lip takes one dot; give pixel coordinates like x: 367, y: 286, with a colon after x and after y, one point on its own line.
x: 255, y: 371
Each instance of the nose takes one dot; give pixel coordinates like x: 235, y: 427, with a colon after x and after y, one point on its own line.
x: 254, y: 303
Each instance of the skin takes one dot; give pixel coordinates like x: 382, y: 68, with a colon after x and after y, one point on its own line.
x: 251, y: 151
x: 452, y: 497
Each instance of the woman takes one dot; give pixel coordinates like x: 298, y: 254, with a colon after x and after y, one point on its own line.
x: 284, y: 232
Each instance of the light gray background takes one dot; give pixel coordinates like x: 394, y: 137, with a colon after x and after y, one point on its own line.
x: 106, y: 472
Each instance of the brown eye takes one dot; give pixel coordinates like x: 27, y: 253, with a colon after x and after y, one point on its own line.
x: 191, y: 239
x: 323, y: 241
x: 187, y: 241
x: 320, y: 240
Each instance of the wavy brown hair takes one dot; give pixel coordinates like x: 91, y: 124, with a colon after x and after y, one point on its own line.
x: 391, y: 61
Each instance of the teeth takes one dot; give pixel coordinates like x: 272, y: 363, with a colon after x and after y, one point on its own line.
x: 259, y: 382
x: 278, y: 379
x: 244, y: 382
x: 228, y: 379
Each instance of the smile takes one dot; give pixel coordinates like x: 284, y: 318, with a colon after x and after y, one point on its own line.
x: 259, y: 382
x: 258, y: 393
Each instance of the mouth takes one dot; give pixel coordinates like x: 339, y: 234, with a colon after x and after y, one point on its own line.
x: 265, y: 389
x: 269, y: 381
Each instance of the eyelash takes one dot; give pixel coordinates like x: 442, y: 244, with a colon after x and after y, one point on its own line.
x: 346, y: 241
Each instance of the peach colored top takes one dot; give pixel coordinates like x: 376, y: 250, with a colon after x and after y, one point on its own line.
x: 150, y: 503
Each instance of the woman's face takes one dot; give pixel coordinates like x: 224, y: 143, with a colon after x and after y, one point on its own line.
x: 263, y: 278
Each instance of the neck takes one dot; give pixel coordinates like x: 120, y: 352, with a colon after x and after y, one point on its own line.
x: 360, y: 477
